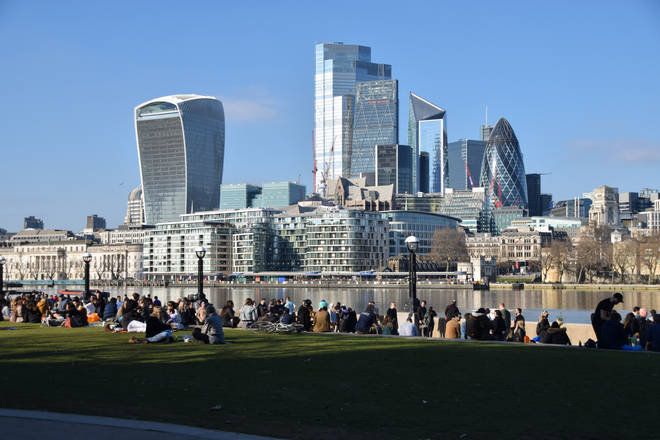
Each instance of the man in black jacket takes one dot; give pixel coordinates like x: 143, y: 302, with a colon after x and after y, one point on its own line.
x: 603, y: 312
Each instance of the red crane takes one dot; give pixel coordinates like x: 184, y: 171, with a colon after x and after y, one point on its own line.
x: 469, y: 175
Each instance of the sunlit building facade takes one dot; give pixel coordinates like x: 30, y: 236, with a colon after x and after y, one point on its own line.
x: 427, y: 132
x: 338, y: 69
x: 181, y: 144
x: 376, y: 121
x: 503, y: 170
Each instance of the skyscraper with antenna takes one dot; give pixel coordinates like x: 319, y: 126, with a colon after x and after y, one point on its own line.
x: 486, y: 129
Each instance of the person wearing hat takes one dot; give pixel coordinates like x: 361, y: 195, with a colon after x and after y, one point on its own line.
x: 603, y: 312
x: 451, y: 310
x: 211, y: 331
x: 322, y: 318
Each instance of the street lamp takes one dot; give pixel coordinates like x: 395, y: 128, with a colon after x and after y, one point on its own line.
x: 201, y: 252
x: 87, y: 258
x: 3, y: 260
x: 412, y: 244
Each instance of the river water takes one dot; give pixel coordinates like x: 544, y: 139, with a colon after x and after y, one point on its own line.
x: 575, y: 306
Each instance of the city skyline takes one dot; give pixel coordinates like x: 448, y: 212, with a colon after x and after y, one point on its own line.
x: 81, y: 158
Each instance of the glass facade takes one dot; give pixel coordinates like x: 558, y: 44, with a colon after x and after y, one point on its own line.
x: 423, y: 173
x: 503, y: 170
x: 502, y: 217
x: 270, y: 195
x: 376, y: 121
x: 238, y: 196
x: 394, y: 167
x: 427, y: 132
x: 181, y: 142
x: 465, y: 157
x: 338, y: 69
x: 420, y: 224
x: 534, y: 194
x: 469, y: 206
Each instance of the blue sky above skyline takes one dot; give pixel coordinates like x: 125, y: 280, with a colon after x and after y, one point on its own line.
x: 578, y: 81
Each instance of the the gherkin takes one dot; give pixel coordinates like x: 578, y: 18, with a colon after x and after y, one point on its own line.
x: 503, y: 170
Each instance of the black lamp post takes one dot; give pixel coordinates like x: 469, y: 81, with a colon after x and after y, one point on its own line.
x: 3, y: 260
x: 87, y: 258
x: 412, y: 243
x: 201, y: 252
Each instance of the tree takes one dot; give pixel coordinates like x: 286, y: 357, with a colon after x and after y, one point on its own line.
x: 594, y: 251
x: 448, y: 245
x: 649, y: 250
x: 624, y: 257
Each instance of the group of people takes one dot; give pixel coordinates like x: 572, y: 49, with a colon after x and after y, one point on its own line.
x: 135, y: 313
x: 639, y: 328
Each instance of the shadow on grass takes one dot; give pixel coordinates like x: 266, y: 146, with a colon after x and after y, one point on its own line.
x: 318, y: 386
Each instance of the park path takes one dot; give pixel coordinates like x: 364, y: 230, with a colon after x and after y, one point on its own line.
x: 38, y: 425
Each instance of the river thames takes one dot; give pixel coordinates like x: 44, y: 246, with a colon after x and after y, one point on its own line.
x: 575, y: 306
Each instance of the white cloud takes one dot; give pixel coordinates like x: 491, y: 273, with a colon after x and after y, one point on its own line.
x: 254, y: 104
x: 634, y: 151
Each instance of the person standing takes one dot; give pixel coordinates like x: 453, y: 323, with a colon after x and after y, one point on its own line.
x: 499, y: 327
x: 429, y: 322
x: 519, y: 317
x: 451, y: 310
x: 603, y: 312
x: 419, y: 315
x: 506, y: 315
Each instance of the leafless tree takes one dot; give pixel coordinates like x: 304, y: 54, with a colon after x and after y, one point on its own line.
x: 649, y: 250
x: 594, y: 251
x: 448, y: 245
x: 624, y: 257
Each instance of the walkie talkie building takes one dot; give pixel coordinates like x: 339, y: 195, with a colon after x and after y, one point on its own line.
x: 503, y: 170
x: 181, y: 147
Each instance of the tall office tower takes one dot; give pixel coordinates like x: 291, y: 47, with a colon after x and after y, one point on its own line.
x: 94, y: 223
x: 135, y: 208
x: 486, y: 130
x: 424, y: 166
x: 32, y: 222
x: 339, y: 67
x: 503, y: 170
x: 375, y: 121
x: 546, y: 204
x: 465, y: 157
x: 181, y: 146
x: 427, y: 131
x: 534, y: 194
x: 394, y: 167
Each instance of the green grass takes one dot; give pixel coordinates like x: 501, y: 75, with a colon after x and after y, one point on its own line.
x: 329, y: 387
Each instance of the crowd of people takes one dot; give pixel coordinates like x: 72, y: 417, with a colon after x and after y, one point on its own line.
x: 143, y: 314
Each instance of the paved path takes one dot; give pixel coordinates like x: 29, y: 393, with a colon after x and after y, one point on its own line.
x: 38, y: 425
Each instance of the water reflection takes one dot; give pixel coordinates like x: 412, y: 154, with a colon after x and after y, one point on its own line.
x: 574, y: 305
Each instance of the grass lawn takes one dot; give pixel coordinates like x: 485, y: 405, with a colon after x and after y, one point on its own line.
x: 330, y: 387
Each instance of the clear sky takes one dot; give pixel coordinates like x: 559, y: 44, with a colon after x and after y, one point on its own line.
x: 579, y: 81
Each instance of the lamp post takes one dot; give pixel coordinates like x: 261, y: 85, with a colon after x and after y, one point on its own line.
x: 412, y: 243
x: 87, y: 258
x: 200, y: 252
x: 3, y: 260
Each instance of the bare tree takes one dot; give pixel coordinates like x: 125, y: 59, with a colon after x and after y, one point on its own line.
x: 448, y: 245
x: 650, y: 255
x: 624, y: 257
x: 594, y: 251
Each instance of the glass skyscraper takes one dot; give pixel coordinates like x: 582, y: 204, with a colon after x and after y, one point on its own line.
x: 503, y: 170
x: 427, y: 131
x: 376, y: 121
x: 465, y: 157
x: 394, y: 167
x: 181, y: 146
x: 338, y: 68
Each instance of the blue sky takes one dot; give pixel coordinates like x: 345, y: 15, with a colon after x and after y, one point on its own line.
x: 579, y: 81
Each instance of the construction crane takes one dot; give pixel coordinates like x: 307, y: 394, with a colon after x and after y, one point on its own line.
x: 469, y: 175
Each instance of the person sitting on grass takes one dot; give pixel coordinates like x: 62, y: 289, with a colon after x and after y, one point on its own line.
x: 187, y: 312
x: 110, y: 310
x: 287, y: 318
x: 33, y: 314
x: 653, y: 335
x: 543, y: 325
x: 211, y: 331
x: 518, y: 332
x: 388, y: 326
x: 322, y: 319
x: 453, y: 328
x: 157, y: 330
x: 407, y: 328
x: 248, y: 313
x: 556, y: 334
x: 228, y: 316
x: 612, y: 335
x: 304, y: 315
x: 366, y: 321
